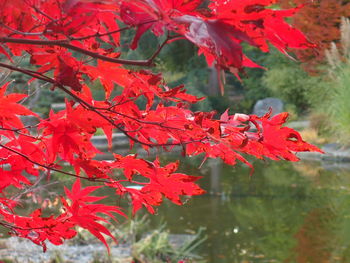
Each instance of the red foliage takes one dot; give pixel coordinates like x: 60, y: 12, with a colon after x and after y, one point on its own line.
x: 73, y: 43
x: 320, y: 21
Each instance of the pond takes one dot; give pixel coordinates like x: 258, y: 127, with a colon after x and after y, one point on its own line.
x: 284, y: 212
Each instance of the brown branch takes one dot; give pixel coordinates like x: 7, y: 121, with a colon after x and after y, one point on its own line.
x: 13, y: 227
x: 156, y: 53
x: 33, y: 188
x: 65, y: 43
x: 18, y: 131
x: 100, y: 35
x: 28, y: 72
x: 21, y: 32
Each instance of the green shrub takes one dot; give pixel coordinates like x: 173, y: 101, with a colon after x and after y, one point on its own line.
x: 289, y: 82
x: 337, y: 103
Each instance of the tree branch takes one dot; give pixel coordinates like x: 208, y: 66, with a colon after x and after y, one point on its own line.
x: 66, y: 44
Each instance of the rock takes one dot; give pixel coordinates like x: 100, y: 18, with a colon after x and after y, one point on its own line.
x: 263, y: 106
x: 331, y: 147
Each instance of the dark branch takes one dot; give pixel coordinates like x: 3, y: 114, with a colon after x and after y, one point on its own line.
x: 66, y: 44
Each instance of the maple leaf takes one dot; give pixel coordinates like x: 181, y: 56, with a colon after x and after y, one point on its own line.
x: 279, y: 142
x: 65, y: 138
x: 38, y: 229
x: 92, y: 168
x: 20, y: 166
x: 82, y: 195
x: 134, y: 15
x: 218, y: 39
x: 180, y: 93
x: 84, y: 214
x: 131, y: 165
x: 172, y: 186
x: 139, y: 198
x: 68, y: 76
x: 88, y: 121
x: 10, y: 108
x: 162, y: 182
x: 154, y: 15
x: 13, y: 178
x: 261, y: 23
x: 102, y: 72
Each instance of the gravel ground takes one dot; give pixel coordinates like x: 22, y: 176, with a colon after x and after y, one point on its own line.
x: 24, y: 251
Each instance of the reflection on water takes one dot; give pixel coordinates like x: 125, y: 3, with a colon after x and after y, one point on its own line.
x: 283, y: 213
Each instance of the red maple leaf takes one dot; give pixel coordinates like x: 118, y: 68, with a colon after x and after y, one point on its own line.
x: 65, y: 138
x: 85, y: 215
x: 10, y: 108
x: 68, y: 76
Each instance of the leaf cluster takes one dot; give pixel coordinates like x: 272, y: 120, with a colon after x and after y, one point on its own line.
x: 74, y: 44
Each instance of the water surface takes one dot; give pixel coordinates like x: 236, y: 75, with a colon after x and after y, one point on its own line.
x: 285, y: 212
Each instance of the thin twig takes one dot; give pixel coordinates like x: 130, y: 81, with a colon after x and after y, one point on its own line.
x: 65, y: 43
